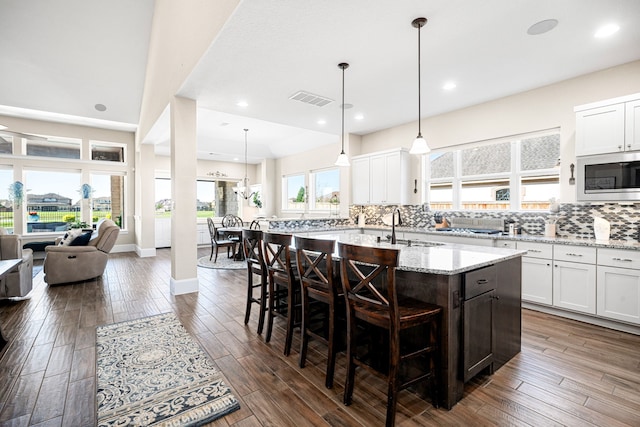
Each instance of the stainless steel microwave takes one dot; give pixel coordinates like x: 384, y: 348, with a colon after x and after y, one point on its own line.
x: 609, y: 177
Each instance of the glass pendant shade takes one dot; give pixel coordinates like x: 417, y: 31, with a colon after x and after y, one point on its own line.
x: 419, y: 146
x: 343, y: 160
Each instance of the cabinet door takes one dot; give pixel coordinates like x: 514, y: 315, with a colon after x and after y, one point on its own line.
x: 574, y: 286
x: 619, y: 294
x: 360, y: 181
x: 203, y: 234
x: 378, y: 179
x: 478, y: 333
x: 394, y: 179
x: 632, y: 125
x: 600, y: 130
x: 537, y: 280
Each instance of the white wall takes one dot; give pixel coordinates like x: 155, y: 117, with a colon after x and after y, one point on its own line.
x: 538, y: 109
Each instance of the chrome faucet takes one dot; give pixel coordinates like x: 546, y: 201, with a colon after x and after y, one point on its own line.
x: 393, y: 224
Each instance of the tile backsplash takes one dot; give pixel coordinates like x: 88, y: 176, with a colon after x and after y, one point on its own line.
x: 575, y: 219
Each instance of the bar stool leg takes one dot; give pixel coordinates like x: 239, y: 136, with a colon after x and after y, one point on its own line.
x: 247, y: 311
x: 263, y: 301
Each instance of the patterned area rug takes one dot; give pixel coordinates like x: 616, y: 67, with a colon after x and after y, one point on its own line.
x: 223, y: 263
x: 152, y: 373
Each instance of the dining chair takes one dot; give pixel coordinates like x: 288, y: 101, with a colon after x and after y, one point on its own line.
x: 368, y: 277
x: 252, y: 243
x: 321, y: 289
x: 284, y: 287
x: 255, y: 225
x: 217, y: 243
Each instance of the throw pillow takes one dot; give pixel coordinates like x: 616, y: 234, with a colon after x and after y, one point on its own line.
x: 81, y: 240
x: 69, y: 236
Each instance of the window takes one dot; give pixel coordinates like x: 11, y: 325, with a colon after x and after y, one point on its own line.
x: 107, y: 198
x: 321, y: 194
x: 6, y: 144
x: 294, y: 192
x: 64, y: 148
x: 52, y: 200
x: 105, y: 151
x: 517, y: 173
x: 326, y: 190
x: 6, y: 200
x: 214, y: 198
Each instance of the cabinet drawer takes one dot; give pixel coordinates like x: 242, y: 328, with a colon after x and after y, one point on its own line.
x: 505, y: 244
x: 479, y: 281
x: 619, y: 258
x: 536, y: 250
x: 583, y: 254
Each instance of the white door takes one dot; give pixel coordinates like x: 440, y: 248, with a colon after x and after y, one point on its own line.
x: 600, y: 130
x: 632, y: 125
x: 537, y: 280
x: 574, y: 286
x: 360, y: 181
x: 619, y: 294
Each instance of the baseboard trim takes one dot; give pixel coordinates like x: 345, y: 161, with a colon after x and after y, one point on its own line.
x: 184, y: 286
x: 129, y: 247
x: 145, y: 252
x: 606, y: 323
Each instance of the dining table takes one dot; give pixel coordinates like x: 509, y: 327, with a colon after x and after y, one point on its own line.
x: 6, y: 266
x: 234, y: 233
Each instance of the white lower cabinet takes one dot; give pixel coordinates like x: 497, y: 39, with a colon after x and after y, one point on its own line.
x: 203, y: 234
x: 574, y: 278
x: 619, y: 285
x: 619, y: 294
x: 574, y: 286
x: 537, y: 280
x: 537, y: 272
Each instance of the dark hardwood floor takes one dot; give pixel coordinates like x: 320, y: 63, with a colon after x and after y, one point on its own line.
x: 568, y: 373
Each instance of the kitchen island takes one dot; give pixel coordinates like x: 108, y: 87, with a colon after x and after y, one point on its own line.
x: 479, y: 289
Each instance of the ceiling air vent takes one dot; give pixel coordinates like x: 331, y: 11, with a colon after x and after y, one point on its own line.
x: 309, y: 98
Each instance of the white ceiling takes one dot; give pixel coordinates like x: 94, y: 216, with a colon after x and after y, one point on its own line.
x: 66, y: 56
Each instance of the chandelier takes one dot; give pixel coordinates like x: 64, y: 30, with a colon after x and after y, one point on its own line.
x: 243, y: 186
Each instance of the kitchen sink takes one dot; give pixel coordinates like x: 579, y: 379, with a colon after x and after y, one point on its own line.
x: 420, y: 243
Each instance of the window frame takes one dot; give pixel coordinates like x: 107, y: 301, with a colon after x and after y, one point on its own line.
x: 514, y: 176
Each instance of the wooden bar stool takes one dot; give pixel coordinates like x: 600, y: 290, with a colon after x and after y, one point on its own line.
x: 369, y: 281
x: 252, y: 244
x: 284, y: 287
x: 319, y: 285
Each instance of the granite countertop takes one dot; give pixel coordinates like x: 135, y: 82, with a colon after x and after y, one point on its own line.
x: 614, y: 244
x: 434, y: 257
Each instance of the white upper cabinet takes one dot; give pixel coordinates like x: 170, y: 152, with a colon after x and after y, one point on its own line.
x: 608, y: 126
x: 380, y: 178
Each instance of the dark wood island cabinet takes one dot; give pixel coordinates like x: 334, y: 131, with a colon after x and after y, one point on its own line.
x: 479, y: 289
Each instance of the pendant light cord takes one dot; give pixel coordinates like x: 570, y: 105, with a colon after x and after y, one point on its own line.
x: 419, y: 87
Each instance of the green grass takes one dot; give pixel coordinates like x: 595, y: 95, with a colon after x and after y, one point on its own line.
x: 6, y: 218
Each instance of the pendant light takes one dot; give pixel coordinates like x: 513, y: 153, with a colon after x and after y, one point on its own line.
x: 419, y: 144
x: 243, y: 186
x: 343, y: 160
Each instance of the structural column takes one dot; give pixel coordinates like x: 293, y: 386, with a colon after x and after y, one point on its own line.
x: 184, y: 245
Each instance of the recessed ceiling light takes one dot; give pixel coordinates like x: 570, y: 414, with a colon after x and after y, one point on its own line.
x: 322, y: 122
x: 606, y: 31
x: 224, y: 124
x: 542, y: 27
x: 242, y: 104
x: 235, y: 159
x: 358, y: 117
x: 449, y: 86
x: 2, y: 127
x: 100, y: 107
